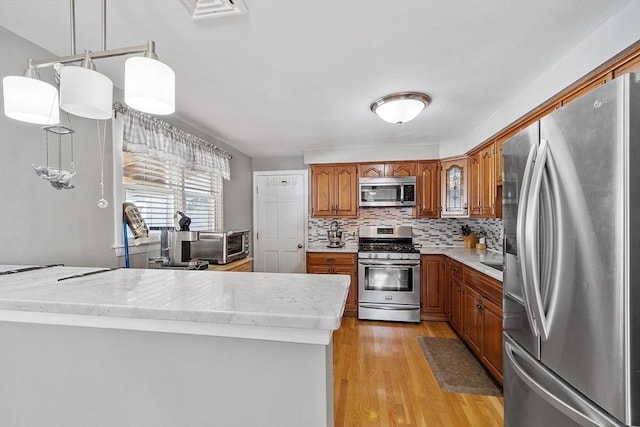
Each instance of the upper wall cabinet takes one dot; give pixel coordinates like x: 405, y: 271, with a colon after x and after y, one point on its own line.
x: 428, y: 189
x: 376, y: 170
x: 482, y: 182
x: 454, y: 184
x: 334, y: 190
x: 499, y: 161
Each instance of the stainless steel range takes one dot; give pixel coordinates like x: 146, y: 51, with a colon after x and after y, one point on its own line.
x: 388, y: 274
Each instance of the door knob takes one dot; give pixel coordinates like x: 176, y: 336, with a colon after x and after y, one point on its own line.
x: 299, y: 245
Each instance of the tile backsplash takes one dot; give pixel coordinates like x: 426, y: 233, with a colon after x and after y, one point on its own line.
x: 428, y: 232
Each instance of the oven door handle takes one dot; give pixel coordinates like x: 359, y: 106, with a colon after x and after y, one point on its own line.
x: 390, y: 264
x: 389, y: 307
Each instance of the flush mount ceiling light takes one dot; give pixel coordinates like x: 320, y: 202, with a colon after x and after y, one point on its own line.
x: 149, y: 84
x: 399, y: 108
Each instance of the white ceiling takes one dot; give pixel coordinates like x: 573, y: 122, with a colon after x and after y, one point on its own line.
x: 294, y: 75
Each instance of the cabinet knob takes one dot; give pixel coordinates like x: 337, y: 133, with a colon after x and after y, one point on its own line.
x: 330, y: 260
x: 299, y: 245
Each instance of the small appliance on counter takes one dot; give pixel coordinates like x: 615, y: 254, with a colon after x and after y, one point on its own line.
x: 176, y: 246
x: 335, y: 236
x: 221, y: 247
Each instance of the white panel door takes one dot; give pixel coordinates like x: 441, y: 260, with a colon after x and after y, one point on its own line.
x: 280, y: 221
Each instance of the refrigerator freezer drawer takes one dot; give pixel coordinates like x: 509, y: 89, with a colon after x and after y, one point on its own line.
x: 535, y: 397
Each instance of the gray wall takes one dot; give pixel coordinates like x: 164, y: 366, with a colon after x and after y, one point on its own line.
x: 43, y: 225
x: 278, y: 163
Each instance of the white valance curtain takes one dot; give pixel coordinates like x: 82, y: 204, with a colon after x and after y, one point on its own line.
x: 143, y: 133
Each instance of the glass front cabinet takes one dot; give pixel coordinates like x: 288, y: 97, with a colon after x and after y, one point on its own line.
x: 455, y: 187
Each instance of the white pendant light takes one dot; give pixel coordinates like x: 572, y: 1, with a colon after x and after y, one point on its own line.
x: 401, y: 107
x: 149, y: 86
x: 30, y: 100
x: 86, y: 93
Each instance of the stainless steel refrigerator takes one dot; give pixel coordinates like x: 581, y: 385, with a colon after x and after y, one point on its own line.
x: 571, y: 210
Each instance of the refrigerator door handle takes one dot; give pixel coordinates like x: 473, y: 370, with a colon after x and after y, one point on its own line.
x: 563, y: 398
x: 521, y: 227
x: 531, y: 242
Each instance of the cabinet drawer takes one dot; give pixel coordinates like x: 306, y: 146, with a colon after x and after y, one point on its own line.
x: 488, y: 287
x: 330, y: 258
x: 455, y: 269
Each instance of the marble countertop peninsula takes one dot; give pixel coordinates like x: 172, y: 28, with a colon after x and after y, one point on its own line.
x: 470, y: 257
x: 271, y: 306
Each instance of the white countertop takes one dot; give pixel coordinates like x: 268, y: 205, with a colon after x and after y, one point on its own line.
x: 291, y: 306
x: 349, y: 247
x: 470, y: 257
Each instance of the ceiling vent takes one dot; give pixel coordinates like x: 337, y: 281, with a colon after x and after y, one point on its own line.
x: 207, y: 9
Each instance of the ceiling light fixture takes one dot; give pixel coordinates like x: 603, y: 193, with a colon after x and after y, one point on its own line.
x: 149, y: 84
x: 399, y: 108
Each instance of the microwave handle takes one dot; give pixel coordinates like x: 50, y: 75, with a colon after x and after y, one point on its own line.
x: 401, y: 193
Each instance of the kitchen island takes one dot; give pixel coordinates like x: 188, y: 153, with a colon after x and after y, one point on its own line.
x: 151, y: 347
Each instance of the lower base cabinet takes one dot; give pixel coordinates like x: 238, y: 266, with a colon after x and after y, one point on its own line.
x: 245, y: 264
x: 433, y: 287
x: 337, y: 263
x: 455, y: 295
x: 482, y: 319
x: 473, y: 308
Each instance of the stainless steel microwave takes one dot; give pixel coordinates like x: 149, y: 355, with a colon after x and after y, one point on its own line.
x: 388, y: 191
x: 221, y: 247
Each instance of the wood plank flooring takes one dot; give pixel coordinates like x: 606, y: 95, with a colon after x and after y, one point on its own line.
x: 382, y: 379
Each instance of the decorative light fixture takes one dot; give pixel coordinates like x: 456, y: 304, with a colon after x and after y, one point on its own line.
x: 149, y: 84
x: 399, y: 108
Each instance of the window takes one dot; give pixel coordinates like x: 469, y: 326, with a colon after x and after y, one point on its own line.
x: 159, y: 187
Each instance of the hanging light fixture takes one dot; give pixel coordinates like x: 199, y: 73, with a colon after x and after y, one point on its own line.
x: 85, y: 92
x: 401, y: 107
x: 149, y: 85
x: 28, y: 99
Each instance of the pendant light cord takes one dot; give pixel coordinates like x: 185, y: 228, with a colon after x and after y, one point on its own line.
x: 101, y: 147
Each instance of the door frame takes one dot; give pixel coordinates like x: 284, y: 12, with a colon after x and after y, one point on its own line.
x: 305, y: 196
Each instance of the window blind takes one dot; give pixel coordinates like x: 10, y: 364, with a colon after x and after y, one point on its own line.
x: 160, y: 187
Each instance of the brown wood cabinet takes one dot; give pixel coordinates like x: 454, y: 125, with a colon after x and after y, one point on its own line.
x: 433, y: 287
x: 455, y: 294
x: 499, y: 161
x: 376, y: 170
x: 454, y: 183
x: 337, y: 263
x: 334, y: 190
x: 482, y: 319
x: 472, y: 319
x: 482, y: 182
x: 428, y: 189
x: 245, y: 264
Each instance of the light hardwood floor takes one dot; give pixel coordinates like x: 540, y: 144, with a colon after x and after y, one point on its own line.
x: 381, y: 378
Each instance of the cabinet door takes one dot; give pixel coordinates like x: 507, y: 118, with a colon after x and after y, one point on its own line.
x: 428, y: 190
x: 400, y: 169
x: 454, y: 188
x: 457, y: 298
x: 475, y: 185
x: 492, y: 338
x: 318, y: 269
x: 352, y: 300
x: 498, y: 161
x: 346, y: 190
x: 372, y: 170
x: 433, y: 287
x: 322, y: 188
x: 488, y: 184
x: 472, y: 320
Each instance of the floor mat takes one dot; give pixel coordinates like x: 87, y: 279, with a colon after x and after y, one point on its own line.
x: 456, y: 369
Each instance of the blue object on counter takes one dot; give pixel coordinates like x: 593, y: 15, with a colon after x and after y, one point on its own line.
x: 126, y: 245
